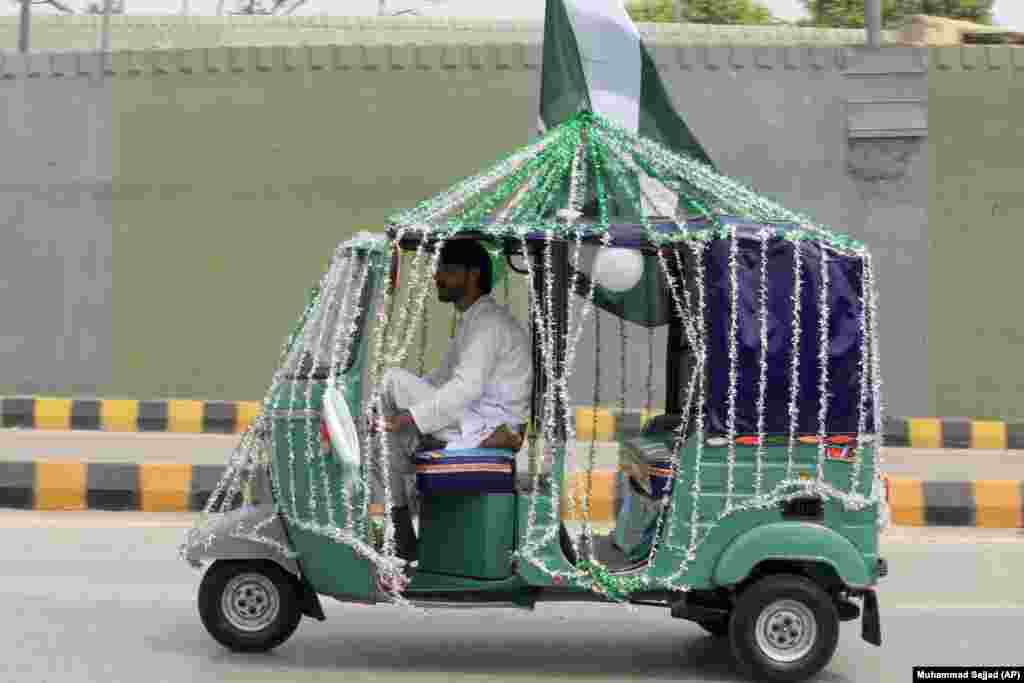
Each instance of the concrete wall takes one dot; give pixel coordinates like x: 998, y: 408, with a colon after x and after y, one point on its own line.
x: 56, y: 246
x: 219, y: 180
x: 232, y: 175
x: 976, y: 212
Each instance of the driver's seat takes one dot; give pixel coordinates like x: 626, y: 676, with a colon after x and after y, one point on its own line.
x: 467, y: 510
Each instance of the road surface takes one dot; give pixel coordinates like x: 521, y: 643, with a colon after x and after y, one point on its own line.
x: 99, y: 596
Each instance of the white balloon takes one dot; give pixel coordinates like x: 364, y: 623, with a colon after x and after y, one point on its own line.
x: 618, y: 270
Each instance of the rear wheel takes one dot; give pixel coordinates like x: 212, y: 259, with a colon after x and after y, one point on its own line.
x: 249, y: 606
x: 784, y: 628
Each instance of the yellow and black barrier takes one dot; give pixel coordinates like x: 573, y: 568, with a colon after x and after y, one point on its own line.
x: 50, y: 485
x: 123, y: 415
x: 598, y: 424
x: 74, y: 485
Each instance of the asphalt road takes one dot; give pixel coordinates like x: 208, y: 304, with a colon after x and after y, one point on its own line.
x: 99, y: 596
x: 214, y: 449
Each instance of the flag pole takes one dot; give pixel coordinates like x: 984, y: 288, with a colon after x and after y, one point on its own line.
x: 24, y: 25
x: 105, y: 34
x: 873, y: 23
x: 679, y: 11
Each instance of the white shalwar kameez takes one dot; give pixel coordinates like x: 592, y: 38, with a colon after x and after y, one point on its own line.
x: 483, y: 382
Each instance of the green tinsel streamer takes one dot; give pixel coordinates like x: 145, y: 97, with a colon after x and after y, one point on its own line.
x: 616, y: 588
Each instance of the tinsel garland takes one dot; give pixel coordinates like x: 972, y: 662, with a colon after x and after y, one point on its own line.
x: 341, y: 335
x: 351, y: 330
x: 328, y: 300
x: 528, y: 552
x: 876, y: 376
x: 794, y: 359
x: 823, y: 358
x: 734, y: 293
x: 762, y: 382
x: 381, y: 462
x: 700, y: 335
x: 863, y: 369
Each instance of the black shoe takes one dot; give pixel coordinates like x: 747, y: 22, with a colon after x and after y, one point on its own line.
x: 405, y: 535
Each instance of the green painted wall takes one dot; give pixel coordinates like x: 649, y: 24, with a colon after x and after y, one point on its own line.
x: 231, y: 191
x: 236, y: 171
x: 976, y: 228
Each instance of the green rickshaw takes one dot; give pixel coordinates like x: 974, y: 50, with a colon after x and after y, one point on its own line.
x: 750, y: 501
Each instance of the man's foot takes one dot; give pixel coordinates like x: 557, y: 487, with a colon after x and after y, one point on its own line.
x: 405, y: 534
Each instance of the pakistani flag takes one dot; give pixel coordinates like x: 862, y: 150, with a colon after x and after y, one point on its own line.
x: 593, y: 59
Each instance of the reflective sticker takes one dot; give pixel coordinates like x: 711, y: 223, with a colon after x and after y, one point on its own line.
x: 840, y: 453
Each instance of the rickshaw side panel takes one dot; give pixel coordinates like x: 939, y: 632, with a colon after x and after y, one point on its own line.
x: 791, y: 541
x: 331, y: 567
x: 855, y: 531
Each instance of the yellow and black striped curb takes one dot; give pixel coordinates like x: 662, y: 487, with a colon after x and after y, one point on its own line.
x: 599, y: 424
x: 75, y: 485
x: 602, y: 424
x: 124, y: 415
x: 954, y: 432
x: 995, y: 503
x: 163, y: 487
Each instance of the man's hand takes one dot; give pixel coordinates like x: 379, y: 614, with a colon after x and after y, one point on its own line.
x: 393, y: 423
x: 503, y: 437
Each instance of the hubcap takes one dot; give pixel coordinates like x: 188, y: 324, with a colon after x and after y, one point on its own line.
x: 250, y: 602
x: 786, y: 631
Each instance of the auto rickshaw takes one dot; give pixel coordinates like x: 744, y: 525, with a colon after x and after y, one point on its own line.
x: 751, y: 504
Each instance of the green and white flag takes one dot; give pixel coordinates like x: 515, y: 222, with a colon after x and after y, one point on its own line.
x: 594, y: 59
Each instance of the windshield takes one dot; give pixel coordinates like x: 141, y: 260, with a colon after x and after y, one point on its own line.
x: 332, y: 328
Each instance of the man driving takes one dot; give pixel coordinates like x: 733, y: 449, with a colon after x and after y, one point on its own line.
x: 478, y: 397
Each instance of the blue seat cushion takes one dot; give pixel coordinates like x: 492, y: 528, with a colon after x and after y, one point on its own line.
x: 661, y: 478
x: 469, y: 470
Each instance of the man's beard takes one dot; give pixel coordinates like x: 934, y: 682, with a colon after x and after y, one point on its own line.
x: 449, y: 295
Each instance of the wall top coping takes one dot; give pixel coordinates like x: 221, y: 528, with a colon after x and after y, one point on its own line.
x: 176, y: 30
x: 850, y: 62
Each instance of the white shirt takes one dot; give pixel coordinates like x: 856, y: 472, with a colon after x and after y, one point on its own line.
x: 484, y: 379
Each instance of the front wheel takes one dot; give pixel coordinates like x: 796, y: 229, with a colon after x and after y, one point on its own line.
x: 784, y: 628
x: 249, y: 606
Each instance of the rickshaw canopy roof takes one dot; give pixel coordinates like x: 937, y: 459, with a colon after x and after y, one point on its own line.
x: 589, y: 179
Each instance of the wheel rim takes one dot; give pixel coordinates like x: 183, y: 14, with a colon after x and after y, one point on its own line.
x: 250, y: 602
x: 786, y: 631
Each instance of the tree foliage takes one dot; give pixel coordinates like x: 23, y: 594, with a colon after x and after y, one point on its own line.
x: 850, y: 13
x: 701, y: 12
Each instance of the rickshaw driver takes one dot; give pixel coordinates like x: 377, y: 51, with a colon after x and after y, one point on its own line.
x: 479, y: 395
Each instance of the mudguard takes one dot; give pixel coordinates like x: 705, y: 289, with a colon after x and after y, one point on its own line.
x: 792, y: 541
x: 249, y: 533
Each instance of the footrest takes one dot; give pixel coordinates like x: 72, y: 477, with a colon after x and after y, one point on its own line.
x: 470, y: 470
x: 648, y: 461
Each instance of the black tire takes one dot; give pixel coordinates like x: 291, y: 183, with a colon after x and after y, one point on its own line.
x: 249, y: 606
x: 719, y: 628
x: 799, y: 629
